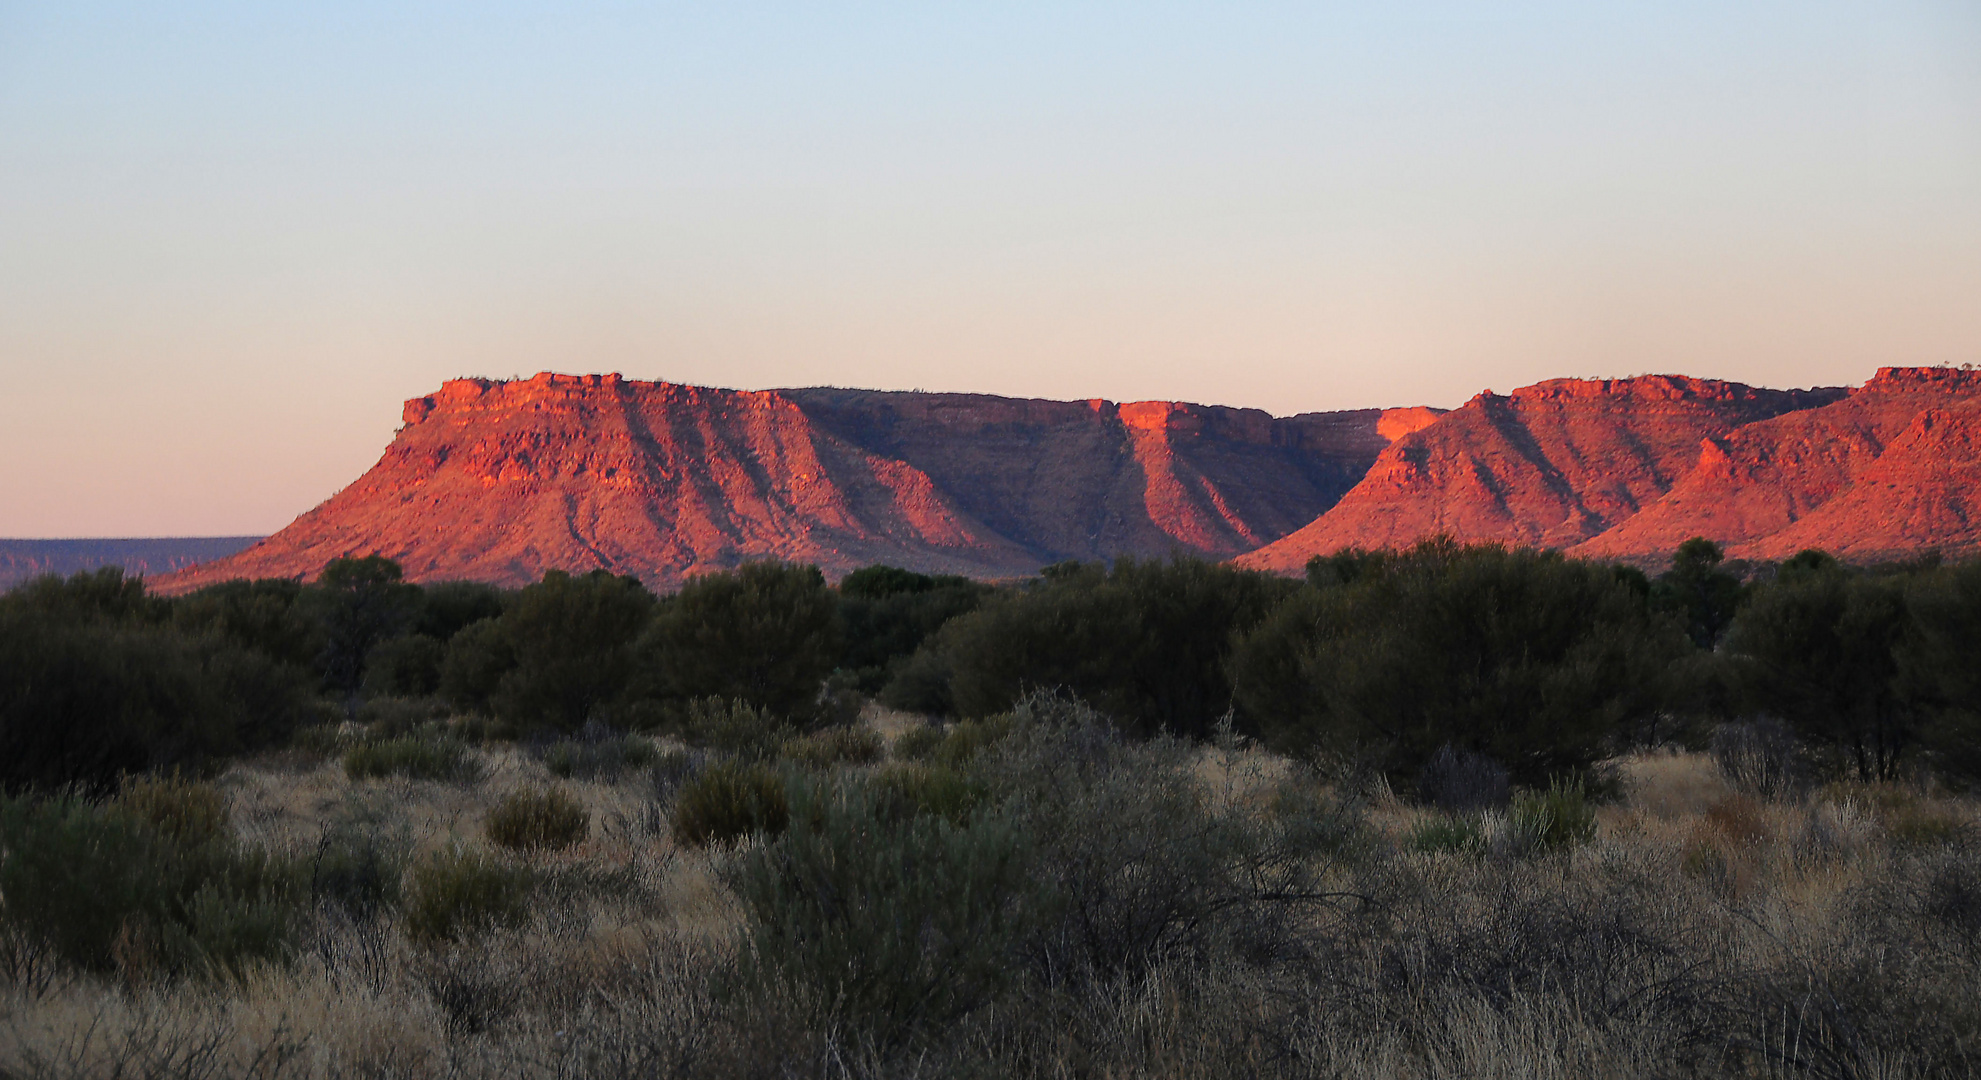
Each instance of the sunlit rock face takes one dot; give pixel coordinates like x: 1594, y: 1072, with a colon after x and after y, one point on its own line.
x: 498, y: 481
x: 1548, y: 465
x: 1628, y: 469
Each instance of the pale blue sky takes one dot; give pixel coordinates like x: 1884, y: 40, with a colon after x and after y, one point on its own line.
x: 234, y: 237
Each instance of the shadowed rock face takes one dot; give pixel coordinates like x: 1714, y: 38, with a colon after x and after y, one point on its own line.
x: 499, y: 481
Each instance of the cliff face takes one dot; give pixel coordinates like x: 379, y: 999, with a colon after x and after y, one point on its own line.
x: 1773, y: 488
x: 499, y: 481
x: 1550, y: 465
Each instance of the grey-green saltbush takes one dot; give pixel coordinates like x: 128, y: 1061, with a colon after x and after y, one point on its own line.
x: 459, y: 892
x: 110, y: 888
x: 895, y: 924
x: 429, y: 754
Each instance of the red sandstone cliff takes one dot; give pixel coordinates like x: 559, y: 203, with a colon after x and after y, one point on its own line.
x: 1767, y: 490
x: 499, y: 481
x: 1550, y: 465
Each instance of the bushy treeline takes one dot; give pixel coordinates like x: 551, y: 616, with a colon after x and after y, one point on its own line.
x: 1436, y: 662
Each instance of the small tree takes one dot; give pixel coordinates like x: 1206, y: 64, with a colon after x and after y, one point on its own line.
x: 1145, y: 642
x: 360, y: 603
x: 1819, y: 650
x: 1702, y: 595
x: 764, y: 633
x: 572, y: 639
x: 1534, y: 661
x: 1940, y: 666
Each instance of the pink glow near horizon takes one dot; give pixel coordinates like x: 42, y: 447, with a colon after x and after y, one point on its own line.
x: 232, y: 241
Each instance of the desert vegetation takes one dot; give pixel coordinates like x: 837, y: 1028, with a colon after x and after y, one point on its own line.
x: 1435, y: 813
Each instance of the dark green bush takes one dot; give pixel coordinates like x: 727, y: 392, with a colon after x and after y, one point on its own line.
x: 885, y: 614
x: 358, y: 602
x: 1552, y: 820
x: 84, y: 699
x: 907, y: 789
x: 430, y: 754
x: 1144, y: 641
x: 359, y: 864
x: 918, y: 743
x: 459, y: 892
x: 1446, y: 834
x: 545, y: 820
x: 1821, y: 650
x: 186, y: 813
x: 765, y: 633
x: 892, y: 925
x: 473, y: 665
x: 572, y: 643
x: 393, y: 717
x: 448, y: 607
x: 1129, y: 862
x: 842, y: 745
x: 265, y: 616
x: 728, y: 801
x: 599, y: 753
x: 1537, y: 662
x: 737, y: 728
x: 404, y: 666
x: 106, y: 889
x: 1703, y: 596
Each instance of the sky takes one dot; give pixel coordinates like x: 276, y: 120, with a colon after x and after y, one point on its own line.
x: 235, y: 237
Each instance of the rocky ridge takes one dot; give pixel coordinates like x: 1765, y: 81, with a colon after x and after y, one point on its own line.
x: 501, y: 480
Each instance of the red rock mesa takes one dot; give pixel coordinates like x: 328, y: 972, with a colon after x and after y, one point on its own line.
x: 499, y: 481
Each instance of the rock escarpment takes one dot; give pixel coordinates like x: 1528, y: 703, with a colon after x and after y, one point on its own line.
x: 1628, y: 469
x: 499, y: 481
x: 1549, y: 465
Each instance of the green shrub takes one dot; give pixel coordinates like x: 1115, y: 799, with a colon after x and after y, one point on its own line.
x: 908, y: 789
x: 886, y: 613
x: 393, y: 717
x: 1552, y: 820
x: 1445, y: 834
x: 318, y: 741
x: 571, y: 639
x: 546, y: 820
x: 1145, y: 641
x: 765, y: 633
x: 836, y: 746
x: 965, y: 739
x: 894, y: 926
x: 1130, y: 864
x: 954, y: 744
x: 108, y: 890
x: 404, y: 666
x: 84, y: 700
x: 459, y: 892
x: 602, y: 756
x: 359, y: 864
x: 430, y: 754
x: 736, y: 727
x: 674, y: 768
x: 728, y: 801
x: 918, y: 743
x: 185, y: 812
x: 1535, y: 661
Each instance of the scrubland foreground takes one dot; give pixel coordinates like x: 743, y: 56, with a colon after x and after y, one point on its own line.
x: 1025, y: 895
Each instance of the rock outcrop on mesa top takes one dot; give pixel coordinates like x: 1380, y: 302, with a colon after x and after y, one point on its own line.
x: 500, y: 481
x: 1549, y: 465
